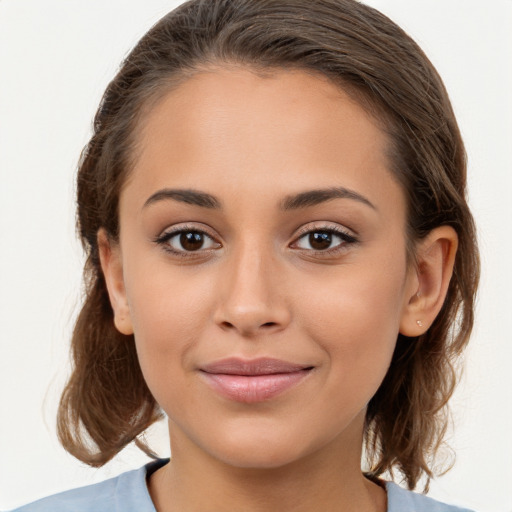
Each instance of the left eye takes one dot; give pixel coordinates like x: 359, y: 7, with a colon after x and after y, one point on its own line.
x: 323, y: 240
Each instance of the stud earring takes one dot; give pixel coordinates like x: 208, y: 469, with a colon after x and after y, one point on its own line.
x: 420, y: 323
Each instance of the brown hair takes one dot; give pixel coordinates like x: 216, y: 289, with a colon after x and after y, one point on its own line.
x: 106, y: 400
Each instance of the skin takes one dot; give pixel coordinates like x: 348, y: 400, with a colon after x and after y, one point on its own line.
x: 257, y: 287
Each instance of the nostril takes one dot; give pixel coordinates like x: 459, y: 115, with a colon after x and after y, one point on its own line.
x: 229, y: 326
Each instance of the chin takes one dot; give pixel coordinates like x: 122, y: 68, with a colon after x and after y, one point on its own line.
x: 260, y: 458
x: 258, y: 451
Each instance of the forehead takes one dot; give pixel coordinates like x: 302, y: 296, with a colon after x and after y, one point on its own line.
x: 233, y: 129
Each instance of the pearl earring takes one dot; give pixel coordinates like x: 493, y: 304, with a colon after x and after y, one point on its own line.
x: 420, y: 323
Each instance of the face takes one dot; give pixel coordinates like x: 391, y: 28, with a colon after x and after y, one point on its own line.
x: 261, y: 265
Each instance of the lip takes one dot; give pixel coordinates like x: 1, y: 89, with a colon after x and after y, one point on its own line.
x: 251, y: 381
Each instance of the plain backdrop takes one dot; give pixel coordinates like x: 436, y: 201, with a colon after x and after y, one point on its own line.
x: 56, y: 57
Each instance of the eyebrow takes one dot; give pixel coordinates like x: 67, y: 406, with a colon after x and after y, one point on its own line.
x: 292, y: 202
x: 188, y: 196
x: 314, y: 197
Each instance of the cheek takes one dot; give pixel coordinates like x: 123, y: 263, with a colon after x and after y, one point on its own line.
x: 168, y: 315
x: 355, y: 320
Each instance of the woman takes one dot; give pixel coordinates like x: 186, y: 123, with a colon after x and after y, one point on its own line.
x: 281, y: 260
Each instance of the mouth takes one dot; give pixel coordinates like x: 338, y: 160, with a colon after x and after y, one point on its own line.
x: 251, y: 381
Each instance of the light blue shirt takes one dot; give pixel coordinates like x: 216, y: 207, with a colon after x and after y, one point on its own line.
x: 128, y: 492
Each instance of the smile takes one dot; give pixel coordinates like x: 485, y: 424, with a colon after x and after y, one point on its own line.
x: 253, y: 381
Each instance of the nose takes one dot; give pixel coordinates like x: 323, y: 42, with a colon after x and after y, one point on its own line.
x: 251, y: 299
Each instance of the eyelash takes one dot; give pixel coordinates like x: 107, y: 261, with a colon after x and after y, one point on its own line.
x: 346, y: 239
x: 164, y: 238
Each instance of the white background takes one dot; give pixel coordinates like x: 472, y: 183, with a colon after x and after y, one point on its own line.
x: 56, y: 57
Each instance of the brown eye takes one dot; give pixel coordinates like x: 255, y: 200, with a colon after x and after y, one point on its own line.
x: 183, y: 241
x: 191, y: 240
x: 320, y: 240
x: 325, y: 240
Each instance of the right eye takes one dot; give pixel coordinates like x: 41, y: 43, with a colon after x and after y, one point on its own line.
x: 183, y: 240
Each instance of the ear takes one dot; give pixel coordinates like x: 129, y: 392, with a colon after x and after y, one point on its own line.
x: 429, y: 280
x: 111, y: 264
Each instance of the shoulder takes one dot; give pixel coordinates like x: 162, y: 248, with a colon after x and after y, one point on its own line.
x: 401, y: 500
x: 124, y: 493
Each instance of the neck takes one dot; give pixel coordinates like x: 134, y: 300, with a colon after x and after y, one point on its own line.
x: 329, y: 480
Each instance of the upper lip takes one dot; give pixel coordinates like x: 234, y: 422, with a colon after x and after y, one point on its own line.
x: 261, y: 366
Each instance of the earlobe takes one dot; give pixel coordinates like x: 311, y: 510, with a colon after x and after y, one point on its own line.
x: 435, y: 258
x: 111, y: 265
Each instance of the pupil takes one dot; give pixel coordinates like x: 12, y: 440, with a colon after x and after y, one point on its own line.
x: 191, y: 241
x: 320, y: 240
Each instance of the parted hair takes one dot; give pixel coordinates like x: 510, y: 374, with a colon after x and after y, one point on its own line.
x: 106, y: 403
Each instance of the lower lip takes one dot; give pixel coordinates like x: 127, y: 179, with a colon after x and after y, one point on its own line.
x: 253, y: 388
